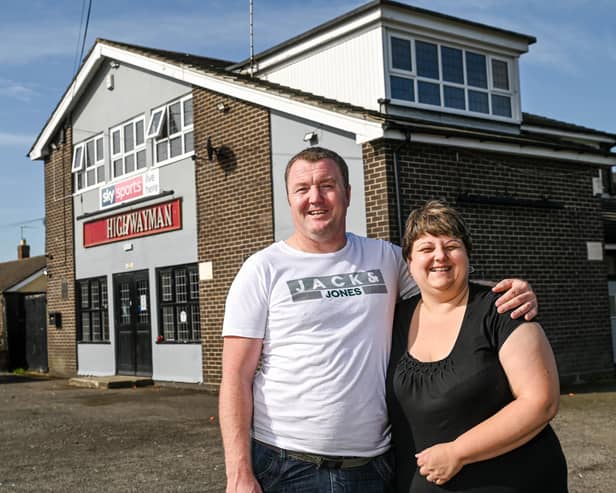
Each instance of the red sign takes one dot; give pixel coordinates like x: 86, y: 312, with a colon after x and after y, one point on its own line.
x: 158, y: 218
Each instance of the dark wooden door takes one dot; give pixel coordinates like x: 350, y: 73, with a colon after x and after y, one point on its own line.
x: 132, y: 322
x: 35, y: 309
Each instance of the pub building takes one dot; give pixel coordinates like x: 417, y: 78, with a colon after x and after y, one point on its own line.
x: 164, y: 172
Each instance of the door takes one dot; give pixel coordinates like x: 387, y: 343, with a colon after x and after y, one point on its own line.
x: 35, y: 309
x: 132, y: 322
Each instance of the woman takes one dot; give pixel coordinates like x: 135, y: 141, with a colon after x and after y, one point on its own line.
x: 477, y: 388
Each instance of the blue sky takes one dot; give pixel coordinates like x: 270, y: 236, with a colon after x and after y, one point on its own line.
x: 569, y: 74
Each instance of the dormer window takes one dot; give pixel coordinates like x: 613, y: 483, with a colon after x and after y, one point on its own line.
x: 428, y: 74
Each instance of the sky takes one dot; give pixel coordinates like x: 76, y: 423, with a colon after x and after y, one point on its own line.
x: 569, y: 74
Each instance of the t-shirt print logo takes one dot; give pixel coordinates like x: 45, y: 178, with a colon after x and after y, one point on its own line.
x: 337, y: 286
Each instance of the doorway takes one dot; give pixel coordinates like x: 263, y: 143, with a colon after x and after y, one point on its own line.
x: 133, y: 324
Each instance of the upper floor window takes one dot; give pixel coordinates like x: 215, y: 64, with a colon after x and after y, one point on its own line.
x: 433, y: 74
x: 128, y: 147
x: 89, y: 163
x: 171, y: 126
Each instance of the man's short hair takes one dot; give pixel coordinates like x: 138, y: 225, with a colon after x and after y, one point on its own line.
x: 314, y: 154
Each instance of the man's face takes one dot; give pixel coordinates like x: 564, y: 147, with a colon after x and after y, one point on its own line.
x: 319, y: 201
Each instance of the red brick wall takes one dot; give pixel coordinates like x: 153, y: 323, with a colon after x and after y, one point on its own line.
x: 234, y: 205
x: 545, y: 246
x: 61, y: 343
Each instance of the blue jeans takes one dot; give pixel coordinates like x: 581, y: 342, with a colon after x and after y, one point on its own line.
x: 279, y: 473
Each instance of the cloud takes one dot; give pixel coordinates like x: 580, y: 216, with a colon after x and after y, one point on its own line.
x: 15, y: 90
x: 15, y: 140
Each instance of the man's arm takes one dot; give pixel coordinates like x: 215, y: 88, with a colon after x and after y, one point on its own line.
x: 518, y: 294
x: 240, y: 358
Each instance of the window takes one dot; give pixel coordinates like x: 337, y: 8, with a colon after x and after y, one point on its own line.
x: 128, y: 147
x: 449, y: 78
x: 178, y: 295
x: 171, y: 127
x: 89, y: 163
x: 93, y: 317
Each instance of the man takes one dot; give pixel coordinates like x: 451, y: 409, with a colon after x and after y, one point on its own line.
x: 317, y: 310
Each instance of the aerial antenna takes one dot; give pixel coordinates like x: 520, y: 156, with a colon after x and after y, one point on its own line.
x: 252, y: 48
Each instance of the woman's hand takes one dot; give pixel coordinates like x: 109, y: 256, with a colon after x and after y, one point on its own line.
x: 518, y: 294
x: 439, y: 463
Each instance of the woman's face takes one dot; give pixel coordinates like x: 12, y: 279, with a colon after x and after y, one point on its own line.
x: 439, y: 263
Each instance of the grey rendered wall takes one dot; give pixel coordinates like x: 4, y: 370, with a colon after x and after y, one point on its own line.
x: 287, y: 140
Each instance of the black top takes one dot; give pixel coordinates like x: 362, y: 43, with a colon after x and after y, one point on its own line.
x: 443, y: 399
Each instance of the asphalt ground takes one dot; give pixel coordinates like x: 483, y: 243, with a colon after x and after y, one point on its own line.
x: 60, y: 438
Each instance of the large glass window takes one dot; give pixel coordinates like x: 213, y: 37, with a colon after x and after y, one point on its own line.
x: 93, y: 315
x: 128, y: 147
x: 171, y: 127
x: 89, y: 163
x: 178, y: 295
x: 449, y: 77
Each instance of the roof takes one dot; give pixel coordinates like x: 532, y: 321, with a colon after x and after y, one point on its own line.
x: 16, y: 271
x: 371, y: 6
x: 543, y: 121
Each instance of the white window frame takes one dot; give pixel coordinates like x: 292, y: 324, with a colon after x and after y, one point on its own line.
x: 156, y: 132
x: 121, y: 153
x: 413, y: 76
x: 80, y: 158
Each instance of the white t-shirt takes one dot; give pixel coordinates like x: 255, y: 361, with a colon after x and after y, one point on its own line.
x: 325, y: 321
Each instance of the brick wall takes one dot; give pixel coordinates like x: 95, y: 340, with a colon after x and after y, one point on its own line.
x: 234, y: 205
x: 545, y: 246
x: 61, y: 343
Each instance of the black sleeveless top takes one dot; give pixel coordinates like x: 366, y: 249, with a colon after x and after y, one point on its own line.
x: 443, y: 399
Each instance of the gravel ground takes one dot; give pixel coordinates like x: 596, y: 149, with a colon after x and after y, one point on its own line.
x: 54, y: 437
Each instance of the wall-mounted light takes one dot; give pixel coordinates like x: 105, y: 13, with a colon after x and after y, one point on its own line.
x: 222, y: 107
x: 311, y: 138
x: 114, y: 64
x: 110, y: 82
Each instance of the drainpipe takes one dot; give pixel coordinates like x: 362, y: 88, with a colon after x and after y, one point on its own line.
x: 407, y: 139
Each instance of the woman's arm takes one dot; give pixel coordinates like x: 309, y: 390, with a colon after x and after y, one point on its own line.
x: 528, y: 361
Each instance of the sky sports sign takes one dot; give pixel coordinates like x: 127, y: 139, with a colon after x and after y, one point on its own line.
x: 131, y: 189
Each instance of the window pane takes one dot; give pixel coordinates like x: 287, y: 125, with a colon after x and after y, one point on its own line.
x: 478, y: 101
x: 117, y: 168
x: 139, y: 139
x: 194, y: 284
x: 500, y: 74
x: 155, y: 123
x: 402, y: 88
x: 166, y: 286
x: 115, y: 142
x: 453, y: 68
x: 175, y: 115
x: 79, y: 181
x: 77, y: 164
x: 476, y: 70
x: 96, y: 326
x: 105, y: 325
x: 182, y: 319
x: 85, y: 326
x: 189, y: 144
x: 429, y: 93
x: 161, y: 152
x: 188, y: 112
x: 94, y: 290
x: 129, y: 139
x: 90, y: 177
x: 90, y: 154
x: 129, y: 163
x: 427, y: 60
x: 99, y: 149
x: 140, y: 159
x: 401, y: 54
x: 501, y: 105
x: 181, y: 286
x: 168, y: 323
x: 196, y: 322
x: 100, y: 174
x: 176, y: 146
x: 454, y: 97
x: 85, y: 296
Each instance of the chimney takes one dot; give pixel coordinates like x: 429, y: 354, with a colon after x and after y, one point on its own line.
x: 23, y: 250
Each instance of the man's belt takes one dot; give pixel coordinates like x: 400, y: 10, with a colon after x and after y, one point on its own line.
x: 326, y: 461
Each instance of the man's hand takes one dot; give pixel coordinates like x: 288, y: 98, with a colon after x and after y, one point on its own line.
x: 243, y: 483
x: 518, y: 295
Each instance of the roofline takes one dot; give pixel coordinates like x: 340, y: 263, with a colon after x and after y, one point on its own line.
x: 365, y: 8
x: 24, y: 282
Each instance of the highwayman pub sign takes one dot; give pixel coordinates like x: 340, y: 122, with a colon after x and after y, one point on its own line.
x: 158, y: 218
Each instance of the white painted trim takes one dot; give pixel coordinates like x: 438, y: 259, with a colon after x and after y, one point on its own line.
x: 24, y: 282
x: 517, y: 149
